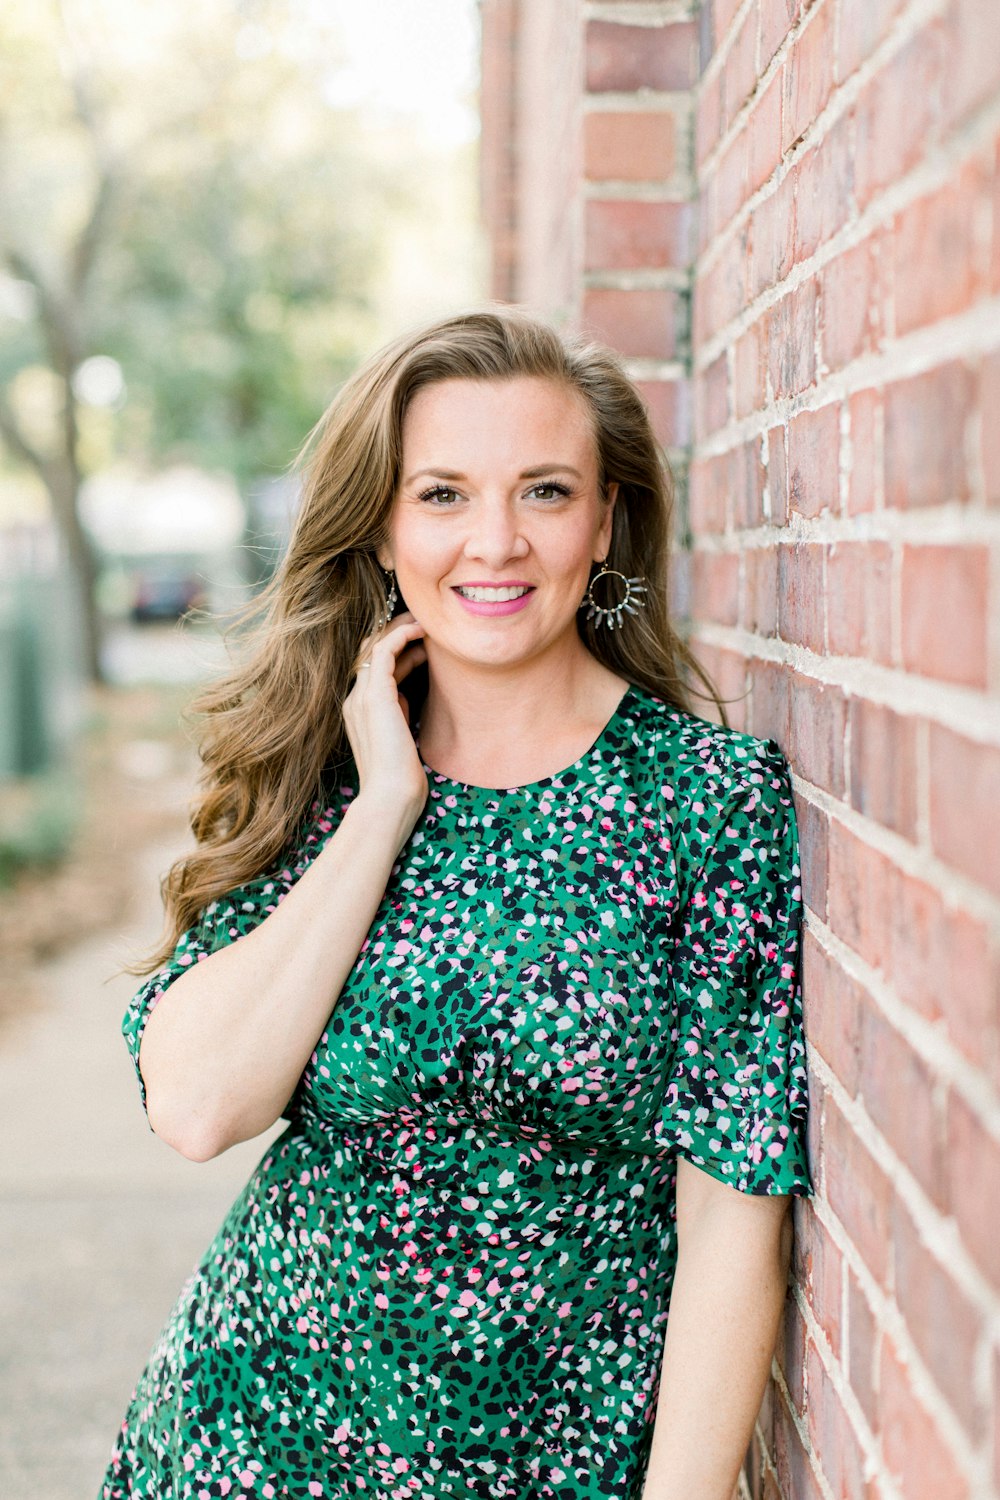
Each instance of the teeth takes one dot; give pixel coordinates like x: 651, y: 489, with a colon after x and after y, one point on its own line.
x: 491, y: 595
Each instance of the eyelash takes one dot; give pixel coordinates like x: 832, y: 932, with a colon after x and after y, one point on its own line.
x: 560, y: 490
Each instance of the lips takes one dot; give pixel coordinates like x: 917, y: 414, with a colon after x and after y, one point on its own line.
x: 492, y: 593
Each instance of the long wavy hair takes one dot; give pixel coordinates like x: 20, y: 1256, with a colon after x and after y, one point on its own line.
x: 273, y: 727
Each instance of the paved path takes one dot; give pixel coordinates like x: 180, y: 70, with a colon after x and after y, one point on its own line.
x: 100, y: 1223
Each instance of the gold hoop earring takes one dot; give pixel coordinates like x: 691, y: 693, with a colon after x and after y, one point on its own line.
x: 612, y: 615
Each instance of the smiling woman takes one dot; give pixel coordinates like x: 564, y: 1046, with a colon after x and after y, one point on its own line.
x: 509, y: 935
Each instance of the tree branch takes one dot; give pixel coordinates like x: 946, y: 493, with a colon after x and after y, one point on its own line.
x: 13, y: 435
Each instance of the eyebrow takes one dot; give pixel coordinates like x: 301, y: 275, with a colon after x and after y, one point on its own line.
x: 534, y: 473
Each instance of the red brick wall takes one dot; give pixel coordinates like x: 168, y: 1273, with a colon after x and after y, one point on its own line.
x: 787, y: 216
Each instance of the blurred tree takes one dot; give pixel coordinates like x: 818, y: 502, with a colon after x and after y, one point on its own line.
x: 190, y: 237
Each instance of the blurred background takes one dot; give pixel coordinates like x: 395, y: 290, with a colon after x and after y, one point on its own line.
x: 208, y: 215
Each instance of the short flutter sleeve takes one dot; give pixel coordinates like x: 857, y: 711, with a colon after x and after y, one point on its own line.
x: 224, y: 920
x: 736, y: 1099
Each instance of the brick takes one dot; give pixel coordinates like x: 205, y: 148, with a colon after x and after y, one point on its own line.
x: 794, y: 1468
x: 801, y: 594
x: 896, y: 116
x: 944, y: 592
x: 791, y: 1355
x: 739, y: 73
x: 791, y: 332
x: 641, y: 323
x: 711, y: 398
x: 629, y: 146
x: 937, y: 268
x: 814, y: 850
x: 624, y: 236
x: 831, y: 1433
x: 721, y: 292
x: 822, y: 1287
x: 709, y: 493
x: 860, y: 1194
x: 765, y: 134
x: 864, y: 442
x: 814, y: 461
x: 668, y: 404
x: 920, y: 467
x: 808, y: 76
x: 859, y: 599
x: 727, y: 669
x: 833, y: 1005
x: 715, y: 586
x: 824, y: 183
x: 940, y: 1319
x: 898, y: 1090
x: 749, y: 371
x: 863, y: 24
x: 777, y: 474
x: 771, y: 684
x: 776, y: 20
x: 722, y: 14
x: 773, y: 242
x: 748, y: 484
x: 989, y: 421
x: 858, y: 900
x: 971, y: 73
x: 760, y: 593
x: 974, y: 1184
x: 730, y: 182
x: 864, y: 1339
x: 965, y: 788
x: 884, y: 765
x: 623, y: 58
x: 850, y: 318
x: 816, y: 733
x: 708, y: 118
x: 917, y: 1456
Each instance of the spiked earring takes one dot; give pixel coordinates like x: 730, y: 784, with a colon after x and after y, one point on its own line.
x: 630, y: 591
x: 391, y: 600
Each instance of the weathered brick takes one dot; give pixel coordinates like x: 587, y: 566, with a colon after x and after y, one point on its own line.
x: 669, y: 406
x: 760, y: 593
x: 861, y: 884
x: 630, y: 146
x: 777, y: 474
x: 816, y: 733
x: 801, y: 594
x: 773, y: 237
x: 814, y: 461
x: 739, y: 74
x: 851, y: 314
x: 863, y: 24
x: 859, y: 599
x: 765, y: 134
x: 791, y: 334
x: 716, y: 586
x: 749, y: 370
x: 914, y: 1449
x: 937, y: 268
x: 943, y: 605
x: 989, y: 406
x: 974, y: 1183
x: 834, y: 1005
x: 863, y: 441
x: 971, y: 70
x: 896, y: 117
x: 642, y: 322
x: 771, y: 683
x: 813, y: 825
x: 808, y: 76
x: 884, y: 765
x: 711, y: 397
x: 898, y: 1091
x: 925, y: 420
x: 864, y: 1340
x: 708, y: 117
x: 943, y: 1323
x: 860, y: 1194
x: 627, y: 236
x: 621, y: 58
x: 831, y: 1432
x: 965, y: 784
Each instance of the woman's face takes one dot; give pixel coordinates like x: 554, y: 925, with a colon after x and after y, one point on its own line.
x: 498, y: 518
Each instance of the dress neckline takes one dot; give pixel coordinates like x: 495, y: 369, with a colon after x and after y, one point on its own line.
x: 471, y: 787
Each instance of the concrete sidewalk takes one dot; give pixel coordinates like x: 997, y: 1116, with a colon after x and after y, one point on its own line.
x: 100, y: 1223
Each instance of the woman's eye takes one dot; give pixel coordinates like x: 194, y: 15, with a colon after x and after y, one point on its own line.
x: 552, y: 490
x: 440, y: 494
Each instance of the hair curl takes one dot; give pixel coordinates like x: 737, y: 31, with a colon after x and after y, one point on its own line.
x: 273, y: 726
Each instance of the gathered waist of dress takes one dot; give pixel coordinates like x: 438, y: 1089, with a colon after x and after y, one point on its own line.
x: 456, y: 1150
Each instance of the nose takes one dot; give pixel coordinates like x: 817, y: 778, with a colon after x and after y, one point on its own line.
x: 494, y: 537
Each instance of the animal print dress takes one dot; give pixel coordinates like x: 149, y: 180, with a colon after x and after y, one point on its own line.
x: 450, y: 1276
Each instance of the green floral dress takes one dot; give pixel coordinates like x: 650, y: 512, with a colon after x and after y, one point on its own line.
x: 450, y: 1276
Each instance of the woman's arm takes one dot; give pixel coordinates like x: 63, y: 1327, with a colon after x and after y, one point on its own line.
x: 729, y: 1288
x: 224, y: 1048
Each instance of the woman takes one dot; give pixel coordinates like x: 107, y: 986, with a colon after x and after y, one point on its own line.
x: 508, y: 934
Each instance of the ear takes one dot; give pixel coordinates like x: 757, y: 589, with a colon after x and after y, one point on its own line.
x: 602, y: 542
x: 384, y: 557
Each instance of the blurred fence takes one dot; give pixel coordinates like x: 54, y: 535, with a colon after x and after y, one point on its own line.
x: 41, y: 678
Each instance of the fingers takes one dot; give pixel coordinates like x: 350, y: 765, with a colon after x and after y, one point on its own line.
x: 389, y: 643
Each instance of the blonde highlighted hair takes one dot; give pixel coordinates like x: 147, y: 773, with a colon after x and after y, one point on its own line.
x: 273, y: 726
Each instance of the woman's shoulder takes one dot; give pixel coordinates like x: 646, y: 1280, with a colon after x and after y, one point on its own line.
x: 678, y: 746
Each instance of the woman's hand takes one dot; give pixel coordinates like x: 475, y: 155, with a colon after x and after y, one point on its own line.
x: 377, y: 718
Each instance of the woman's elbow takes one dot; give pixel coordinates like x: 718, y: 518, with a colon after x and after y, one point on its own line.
x: 195, y: 1139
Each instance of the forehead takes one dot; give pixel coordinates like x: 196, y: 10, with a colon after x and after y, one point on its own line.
x: 487, y: 418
